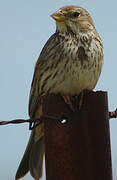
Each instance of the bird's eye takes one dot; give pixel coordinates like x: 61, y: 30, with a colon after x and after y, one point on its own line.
x: 76, y: 14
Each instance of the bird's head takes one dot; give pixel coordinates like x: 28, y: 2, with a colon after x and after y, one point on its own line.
x: 73, y: 20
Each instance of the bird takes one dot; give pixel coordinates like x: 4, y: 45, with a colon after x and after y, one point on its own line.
x: 70, y: 62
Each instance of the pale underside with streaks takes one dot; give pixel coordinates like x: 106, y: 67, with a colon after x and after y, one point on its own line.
x: 75, y: 67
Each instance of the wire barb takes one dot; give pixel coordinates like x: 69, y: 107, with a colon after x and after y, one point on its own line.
x: 32, y: 122
x: 113, y: 114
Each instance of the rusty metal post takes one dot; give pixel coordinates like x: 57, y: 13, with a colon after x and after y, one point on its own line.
x: 78, y: 149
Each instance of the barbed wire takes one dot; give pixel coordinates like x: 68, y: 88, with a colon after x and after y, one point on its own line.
x: 33, y: 122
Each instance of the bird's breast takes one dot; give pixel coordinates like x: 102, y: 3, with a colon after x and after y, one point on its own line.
x: 78, y: 67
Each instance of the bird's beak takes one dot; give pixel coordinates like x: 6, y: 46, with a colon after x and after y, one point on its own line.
x: 57, y: 16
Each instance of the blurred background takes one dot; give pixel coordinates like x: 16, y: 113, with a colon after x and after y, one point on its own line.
x: 25, y: 26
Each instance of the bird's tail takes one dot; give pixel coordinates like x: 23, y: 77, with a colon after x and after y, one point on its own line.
x: 33, y: 158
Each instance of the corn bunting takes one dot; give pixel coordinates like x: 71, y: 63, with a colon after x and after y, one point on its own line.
x: 70, y: 62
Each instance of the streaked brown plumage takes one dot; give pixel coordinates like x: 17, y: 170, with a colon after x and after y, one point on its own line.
x: 70, y: 62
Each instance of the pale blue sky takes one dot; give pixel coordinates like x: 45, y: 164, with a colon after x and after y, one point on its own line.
x: 25, y: 26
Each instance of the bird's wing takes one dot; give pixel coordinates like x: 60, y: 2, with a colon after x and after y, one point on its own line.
x: 35, y: 99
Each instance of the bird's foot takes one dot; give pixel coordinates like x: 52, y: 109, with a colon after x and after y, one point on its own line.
x: 81, y: 100
x: 68, y: 101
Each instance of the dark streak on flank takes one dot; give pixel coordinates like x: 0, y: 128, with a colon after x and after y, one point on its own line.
x: 55, y: 74
x: 82, y: 55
